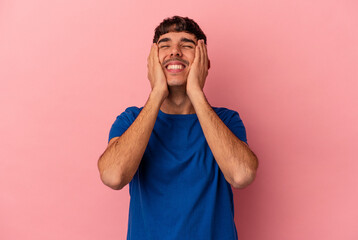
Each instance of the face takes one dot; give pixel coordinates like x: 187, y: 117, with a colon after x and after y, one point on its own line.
x: 176, y: 54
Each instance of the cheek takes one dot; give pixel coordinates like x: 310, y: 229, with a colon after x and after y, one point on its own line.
x: 161, y: 56
x: 191, y: 57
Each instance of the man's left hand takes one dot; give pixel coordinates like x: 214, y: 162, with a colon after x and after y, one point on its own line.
x: 198, y: 69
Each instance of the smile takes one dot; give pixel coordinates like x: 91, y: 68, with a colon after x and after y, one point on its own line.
x: 175, y: 67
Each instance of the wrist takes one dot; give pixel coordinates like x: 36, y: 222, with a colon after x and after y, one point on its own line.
x: 196, y: 95
x: 194, y: 92
x: 158, y: 95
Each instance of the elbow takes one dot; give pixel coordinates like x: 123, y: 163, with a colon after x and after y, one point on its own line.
x: 113, y: 181
x: 110, y: 177
x: 244, y: 180
x: 246, y: 177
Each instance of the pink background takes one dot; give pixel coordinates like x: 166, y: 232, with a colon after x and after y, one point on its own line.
x: 68, y: 68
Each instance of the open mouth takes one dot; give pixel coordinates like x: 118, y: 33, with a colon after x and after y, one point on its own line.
x: 175, y: 66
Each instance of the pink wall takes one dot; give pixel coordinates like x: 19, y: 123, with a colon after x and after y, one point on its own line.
x: 67, y: 68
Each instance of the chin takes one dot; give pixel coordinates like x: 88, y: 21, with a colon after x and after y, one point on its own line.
x: 176, y: 82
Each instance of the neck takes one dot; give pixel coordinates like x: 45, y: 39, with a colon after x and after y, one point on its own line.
x: 177, y: 102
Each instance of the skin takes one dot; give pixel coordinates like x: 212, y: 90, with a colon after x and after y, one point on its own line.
x: 177, y: 92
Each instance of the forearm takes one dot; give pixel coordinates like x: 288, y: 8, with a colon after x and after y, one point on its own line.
x: 237, y: 162
x: 120, y: 161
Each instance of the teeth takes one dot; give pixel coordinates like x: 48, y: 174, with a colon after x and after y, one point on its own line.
x: 175, y: 66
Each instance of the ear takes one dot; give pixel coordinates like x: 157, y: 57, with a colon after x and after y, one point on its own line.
x: 208, y: 64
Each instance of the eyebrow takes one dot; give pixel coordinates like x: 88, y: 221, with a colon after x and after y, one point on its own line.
x: 187, y: 40
x: 164, y: 40
x: 183, y: 39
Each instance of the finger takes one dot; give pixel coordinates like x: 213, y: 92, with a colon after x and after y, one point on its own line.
x: 150, y: 57
x: 151, y: 49
x: 150, y: 52
x: 202, y: 56
x: 197, y: 54
x: 156, y: 53
x: 206, y: 59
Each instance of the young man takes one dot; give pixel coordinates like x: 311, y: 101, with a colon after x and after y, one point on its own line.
x: 178, y: 154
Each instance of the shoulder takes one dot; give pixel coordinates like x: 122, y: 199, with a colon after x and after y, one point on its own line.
x: 223, y: 110
x: 123, y: 121
x: 130, y: 113
x: 233, y: 121
x: 226, y: 114
x: 127, y: 117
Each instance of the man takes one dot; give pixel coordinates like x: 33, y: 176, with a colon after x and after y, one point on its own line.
x: 178, y: 154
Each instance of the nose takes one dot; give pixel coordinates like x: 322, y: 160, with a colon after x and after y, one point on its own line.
x: 175, y: 51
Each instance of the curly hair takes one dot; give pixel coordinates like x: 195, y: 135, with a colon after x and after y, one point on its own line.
x: 178, y: 24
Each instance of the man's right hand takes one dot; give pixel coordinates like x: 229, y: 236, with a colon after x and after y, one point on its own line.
x: 156, y: 74
x: 120, y: 161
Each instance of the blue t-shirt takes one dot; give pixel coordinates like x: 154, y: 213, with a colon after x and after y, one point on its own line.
x: 179, y: 191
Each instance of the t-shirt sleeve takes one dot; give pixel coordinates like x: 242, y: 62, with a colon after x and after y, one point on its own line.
x: 233, y: 121
x: 236, y: 125
x: 123, y: 122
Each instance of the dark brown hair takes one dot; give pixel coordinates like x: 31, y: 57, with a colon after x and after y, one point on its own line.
x: 178, y: 24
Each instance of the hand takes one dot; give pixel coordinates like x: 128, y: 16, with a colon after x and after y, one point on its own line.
x: 199, y: 69
x: 156, y: 75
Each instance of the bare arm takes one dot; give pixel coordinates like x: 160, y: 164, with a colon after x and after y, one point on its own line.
x: 121, y: 159
x: 235, y: 159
